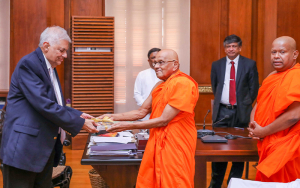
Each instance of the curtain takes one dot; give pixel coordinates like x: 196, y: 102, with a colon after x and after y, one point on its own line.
x: 139, y: 26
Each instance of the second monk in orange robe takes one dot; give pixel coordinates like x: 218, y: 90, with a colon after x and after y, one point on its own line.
x: 276, y: 116
x: 169, y: 158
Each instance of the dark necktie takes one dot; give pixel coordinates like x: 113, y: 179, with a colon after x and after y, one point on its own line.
x: 232, y: 96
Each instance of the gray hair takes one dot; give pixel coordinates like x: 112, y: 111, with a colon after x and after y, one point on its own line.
x: 53, y: 35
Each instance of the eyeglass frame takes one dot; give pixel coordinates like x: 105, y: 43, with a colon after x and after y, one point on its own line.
x: 162, y: 63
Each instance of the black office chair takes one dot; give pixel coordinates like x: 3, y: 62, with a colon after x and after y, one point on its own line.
x: 61, y: 176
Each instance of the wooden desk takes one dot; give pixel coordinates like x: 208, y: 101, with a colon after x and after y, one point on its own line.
x: 122, y: 172
x: 118, y: 172
x: 237, y: 150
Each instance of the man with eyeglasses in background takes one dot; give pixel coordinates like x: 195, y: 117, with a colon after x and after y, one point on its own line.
x: 234, y: 81
x: 145, y: 81
x: 169, y: 157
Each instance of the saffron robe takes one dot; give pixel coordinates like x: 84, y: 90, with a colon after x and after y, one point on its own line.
x: 279, y: 153
x: 169, y: 158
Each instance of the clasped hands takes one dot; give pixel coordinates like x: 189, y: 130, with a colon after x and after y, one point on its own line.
x: 256, y: 131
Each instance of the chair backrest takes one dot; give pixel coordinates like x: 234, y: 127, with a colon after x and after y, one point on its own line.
x: 2, y: 117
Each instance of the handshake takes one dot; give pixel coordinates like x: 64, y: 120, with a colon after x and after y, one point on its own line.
x: 90, y: 123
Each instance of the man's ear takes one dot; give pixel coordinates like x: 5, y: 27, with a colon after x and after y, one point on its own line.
x: 176, y: 65
x: 295, y: 54
x: 46, y: 46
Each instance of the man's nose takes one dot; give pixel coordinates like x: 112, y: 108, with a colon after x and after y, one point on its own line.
x: 276, y: 55
x: 65, y: 54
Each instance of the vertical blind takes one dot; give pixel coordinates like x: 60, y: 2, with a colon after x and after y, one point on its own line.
x: 139, y: 26
x: 4, y: 44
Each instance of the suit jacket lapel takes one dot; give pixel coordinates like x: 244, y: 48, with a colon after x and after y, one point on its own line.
x: 43, y: 62
x: 222, y: 75
x: 239, y: 70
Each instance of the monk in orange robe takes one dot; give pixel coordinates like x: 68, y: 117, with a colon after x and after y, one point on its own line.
x: 169, y: 157
x: 275, y: 117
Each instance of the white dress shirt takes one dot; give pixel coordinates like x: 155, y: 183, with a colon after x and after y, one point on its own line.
x: 225, y: 92
x: 57, y: 94
x: 144, y: 83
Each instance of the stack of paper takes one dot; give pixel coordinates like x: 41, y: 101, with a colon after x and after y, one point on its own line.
x: 113, y: 149
x: 123, y: 145
x: 123, y: 140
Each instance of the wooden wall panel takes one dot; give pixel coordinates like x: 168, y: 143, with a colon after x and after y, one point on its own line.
x: 288, y: 19
x: 240, y: 19
x: 28, y: 20
x: 270, y: 33
x: 205, y: 38
x: 205, y: 48
x: 87, y: 7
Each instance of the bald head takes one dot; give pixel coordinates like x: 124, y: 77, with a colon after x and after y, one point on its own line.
x: 286, y: 40
x: 284, y: 53
x: 166, y: 64
x: 168, y: 53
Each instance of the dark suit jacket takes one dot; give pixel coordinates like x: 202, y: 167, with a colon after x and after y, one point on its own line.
x: 246, y: 86
x: 34, y: 117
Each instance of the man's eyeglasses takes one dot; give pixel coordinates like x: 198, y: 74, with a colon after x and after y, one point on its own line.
x: 161, y: 63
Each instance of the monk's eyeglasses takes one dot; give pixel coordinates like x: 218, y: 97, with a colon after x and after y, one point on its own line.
x: 161, y: 63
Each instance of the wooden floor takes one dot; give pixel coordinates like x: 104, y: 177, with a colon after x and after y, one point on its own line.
x: 80, y: 178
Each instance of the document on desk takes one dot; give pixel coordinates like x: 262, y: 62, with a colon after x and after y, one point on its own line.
x: 125, y: 134
x: 113, y: 147
x: 112, y: 153
x: 123, y: 140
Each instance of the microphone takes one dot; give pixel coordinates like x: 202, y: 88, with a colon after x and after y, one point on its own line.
x: 203, y: 132
x: 205, y: 118
x: 215, y: 138
x: 225, y: 117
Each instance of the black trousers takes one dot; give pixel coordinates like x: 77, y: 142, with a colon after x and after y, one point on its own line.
x: 219, y: 168
x: 17, y: 178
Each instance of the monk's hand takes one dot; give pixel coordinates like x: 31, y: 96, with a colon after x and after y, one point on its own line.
x: 110, y: 116
x: 256, y: 131
x: 90, y: 126
x: 86, y: 116
x: 120, y: 126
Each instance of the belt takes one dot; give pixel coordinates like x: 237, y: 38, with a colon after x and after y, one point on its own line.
x: 229, y: 106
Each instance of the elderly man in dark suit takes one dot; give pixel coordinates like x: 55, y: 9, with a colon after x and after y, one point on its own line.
x: 234, y: 81
x: 36, y: 116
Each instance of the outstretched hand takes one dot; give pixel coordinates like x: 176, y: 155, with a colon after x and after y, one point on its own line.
x: 90, y: 126
x: 120, y: 126
x: 86, y: 116
x: 108, y: 115
x: 256, y: 131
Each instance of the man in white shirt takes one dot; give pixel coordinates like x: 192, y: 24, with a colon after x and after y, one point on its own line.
x: 234, y: 81
x: 145, y: 81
